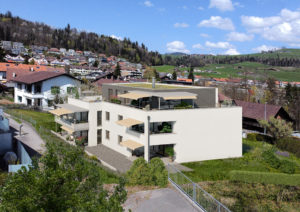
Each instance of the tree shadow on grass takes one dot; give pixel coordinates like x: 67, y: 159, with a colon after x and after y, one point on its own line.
x: 246, y: 148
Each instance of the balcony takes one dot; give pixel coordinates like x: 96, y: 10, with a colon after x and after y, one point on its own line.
x: 157, y: 100
x: 155, y: 128
x: 75, y: 125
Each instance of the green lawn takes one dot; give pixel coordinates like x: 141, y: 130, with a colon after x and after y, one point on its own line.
x: 251, y: 161
x: 42, y: 119
x: 256, y: 71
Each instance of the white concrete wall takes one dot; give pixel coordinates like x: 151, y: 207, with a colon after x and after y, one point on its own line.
x: 198, y: 134
x: 203, y: 134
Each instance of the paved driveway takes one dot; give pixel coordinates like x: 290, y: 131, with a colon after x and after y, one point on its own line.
x: 162, y: 200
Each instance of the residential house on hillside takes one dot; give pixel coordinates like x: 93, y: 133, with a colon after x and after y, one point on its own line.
x: 39, y: 88
x: 54, y: 51
x: 143, y: 119
x: 254, y: 112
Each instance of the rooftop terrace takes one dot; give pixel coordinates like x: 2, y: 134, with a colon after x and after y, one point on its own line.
x: 158, y: 86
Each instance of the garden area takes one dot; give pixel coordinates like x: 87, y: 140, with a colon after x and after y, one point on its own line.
x: 266, y: 178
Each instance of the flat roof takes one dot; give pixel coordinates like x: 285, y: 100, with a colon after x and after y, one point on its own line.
x: 147, y: 85
x: 72, y: 108
x: 137, y: 94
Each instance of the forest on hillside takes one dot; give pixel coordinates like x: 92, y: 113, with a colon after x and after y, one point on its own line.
x: 14, y: 28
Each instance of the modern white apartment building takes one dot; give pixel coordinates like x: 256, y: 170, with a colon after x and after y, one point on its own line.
x: 39, y: 88
x: 137, y: 119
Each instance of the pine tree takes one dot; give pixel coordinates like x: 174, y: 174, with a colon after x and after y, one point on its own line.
x: 174, y: 75
x: 117, y: 72
x: 191, y: 74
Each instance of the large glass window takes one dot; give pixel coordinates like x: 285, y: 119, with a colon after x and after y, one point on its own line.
x: 99, y: 118
x: 107, y: 134
x: 99, y: 136
x: 107, y: 116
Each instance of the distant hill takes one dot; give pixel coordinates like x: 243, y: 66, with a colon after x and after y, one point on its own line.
x: 13, y: 28
x: 176, y: 54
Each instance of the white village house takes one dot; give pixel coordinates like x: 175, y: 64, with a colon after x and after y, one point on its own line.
x: 40, y: 88
x: 136, y: 119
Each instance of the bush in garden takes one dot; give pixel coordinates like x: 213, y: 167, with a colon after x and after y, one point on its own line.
x: 139, y: 173
x: 158, y: 172
x: 143, y: 173
x: 271, y: 159
x: 287, y: 167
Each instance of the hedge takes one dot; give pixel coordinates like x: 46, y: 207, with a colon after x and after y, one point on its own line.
x: 290, y: 145
x: 265, y: 177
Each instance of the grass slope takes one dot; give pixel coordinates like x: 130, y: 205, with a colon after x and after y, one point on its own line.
x: 255, y: 71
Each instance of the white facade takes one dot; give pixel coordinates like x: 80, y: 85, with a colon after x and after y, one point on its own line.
x: 22, y: 96
x: 198, y: 134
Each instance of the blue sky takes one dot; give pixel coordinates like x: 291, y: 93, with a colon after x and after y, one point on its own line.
x: 190, y: 26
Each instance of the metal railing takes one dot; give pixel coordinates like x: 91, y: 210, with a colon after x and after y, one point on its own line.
x: 193, y: 191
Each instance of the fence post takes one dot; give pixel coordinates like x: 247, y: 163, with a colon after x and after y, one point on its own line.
x: 219, y: 207
x: 194, y: 192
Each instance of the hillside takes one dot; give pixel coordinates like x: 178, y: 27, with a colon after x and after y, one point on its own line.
x: 13, y: 28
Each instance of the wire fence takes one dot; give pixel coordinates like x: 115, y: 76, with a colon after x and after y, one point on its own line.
x: 197, y: 194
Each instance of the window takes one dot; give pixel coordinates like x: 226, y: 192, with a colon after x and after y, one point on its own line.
x: 107, y: 134
x: 99, y: 118
x: 71, y: 90
x: 20, y: 86
x: 107, y: 116
x: 120, y: 138
x: 55, y: 90
x: 99, y: 136
x: 19, y: 98
x: 50, y: 103
x: 120, y: 117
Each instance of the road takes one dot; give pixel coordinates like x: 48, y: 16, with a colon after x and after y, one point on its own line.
x: 29, y: 136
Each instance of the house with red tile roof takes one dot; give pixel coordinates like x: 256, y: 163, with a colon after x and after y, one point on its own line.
x: 8, y: 71
x: 40, y: 88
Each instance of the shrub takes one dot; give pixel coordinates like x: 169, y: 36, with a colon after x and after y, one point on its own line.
x: 287, y: 167
x: 158, y: 172
x: 277, y: 128
x: 271, y: 159
x: 139, y: 173
x: 183, y: 105
x: 251, y: 136
x: 170, y: 151
x: 265, y: 177
x: 142, y: 173
x: 289, y: 144
x: 117, y: 101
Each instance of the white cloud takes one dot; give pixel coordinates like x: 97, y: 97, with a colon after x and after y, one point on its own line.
x: 204, y: 35
x: 222, y: 5
x: 218, y: 45
x: 116, y: 37
x: 181, y: 25
x: 241, y: 37
x: 217, y: 22
x: 231, y: 51
x: 177, y: 46
x: 197, y: 46
x: 148, y: 4
x: 185, y: 7
x: 200, y: 8
x: 284, y: 27
x: 264, y: 48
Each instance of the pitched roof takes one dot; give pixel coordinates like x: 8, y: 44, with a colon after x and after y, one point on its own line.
x: 38, y: 76
x: 257, y: 110
x: 222, y: 97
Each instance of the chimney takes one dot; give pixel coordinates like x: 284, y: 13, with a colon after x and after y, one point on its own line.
x: 153, y: 82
